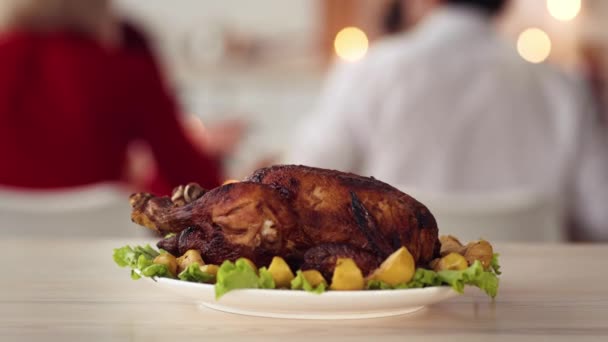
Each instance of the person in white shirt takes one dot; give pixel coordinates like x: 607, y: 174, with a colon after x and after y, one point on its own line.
x: 449, y: 107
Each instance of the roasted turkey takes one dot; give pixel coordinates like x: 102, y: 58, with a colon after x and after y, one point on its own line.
x: 309, y: 216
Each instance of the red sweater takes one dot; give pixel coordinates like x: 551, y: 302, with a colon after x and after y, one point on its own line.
x: 69, y: 108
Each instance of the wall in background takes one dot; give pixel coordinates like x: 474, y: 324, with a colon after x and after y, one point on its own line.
x: 198, y: 36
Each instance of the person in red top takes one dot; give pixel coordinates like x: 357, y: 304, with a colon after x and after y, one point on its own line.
x: 75, y: 91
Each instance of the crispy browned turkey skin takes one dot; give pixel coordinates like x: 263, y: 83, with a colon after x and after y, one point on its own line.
x: 307, y: 215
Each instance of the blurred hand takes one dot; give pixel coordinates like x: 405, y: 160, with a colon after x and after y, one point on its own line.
x: 140, y: 168
x: 220, y: 139
x: 223, y: 138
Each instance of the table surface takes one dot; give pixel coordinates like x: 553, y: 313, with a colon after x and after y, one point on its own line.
x: 71, y: 290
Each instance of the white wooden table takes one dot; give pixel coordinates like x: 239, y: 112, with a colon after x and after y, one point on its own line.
x: 70, y: 290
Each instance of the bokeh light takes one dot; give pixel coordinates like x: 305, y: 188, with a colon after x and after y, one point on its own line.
x: 534, y: 45
x: 351, y: 44
x: 564, y: 10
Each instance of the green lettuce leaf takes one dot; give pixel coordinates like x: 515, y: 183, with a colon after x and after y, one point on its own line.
x: 135, y: 275
x: 422, y: 278
x: 140, y: 260
x: 494, y: 266
x: 378, y: 285
x: 300, y: 283
x: 129, y: 256
x: 487, y: 282
x: 266, y: 280
x: 240, y: 275
x: 474, y: 275
x: 156, y: 270
x: 194, y: 274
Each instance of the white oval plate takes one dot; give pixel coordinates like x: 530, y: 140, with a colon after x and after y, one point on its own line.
x: 304, y: 305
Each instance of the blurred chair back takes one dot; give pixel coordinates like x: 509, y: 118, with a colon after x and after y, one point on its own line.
x: 92, y: 211
x: 512, y: 216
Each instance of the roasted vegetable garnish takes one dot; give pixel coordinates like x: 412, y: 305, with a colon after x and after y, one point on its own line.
x: 281, y: 273
x: 169, y: 261
x: 450, y: 244
x: 147, y: 262
x: 454, y: 269
x: 347, y: 276
x: 191, y: 256
x: 480, y: 251
x: 398, y: 268
x: 474, y: 275
x: 210, y: 269
x: 452, y: 261
x: 311, y: 281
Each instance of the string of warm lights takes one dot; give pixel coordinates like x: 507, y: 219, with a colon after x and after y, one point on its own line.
x: 534, y: 44
x: 351, y: 44
x: 564, y: 10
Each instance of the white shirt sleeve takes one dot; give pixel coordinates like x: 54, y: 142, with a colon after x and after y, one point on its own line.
x: 590, y: 183
x: 327, y: 138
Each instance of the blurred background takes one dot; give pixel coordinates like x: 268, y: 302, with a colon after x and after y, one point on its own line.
x: 261, y: 66
x: 265, y: 61
x: 261, y: 61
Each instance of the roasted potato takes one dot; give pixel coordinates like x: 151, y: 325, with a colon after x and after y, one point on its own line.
x: 479, y: 250
x: 347, y: 276
x: 167, y: 260
x: 281, y: 273
x: 450, y: 244
x: 210, y: 269
x: 191, y: 256
x: 314, y: 277
x: 398, y: 268
x: 452, y: 261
